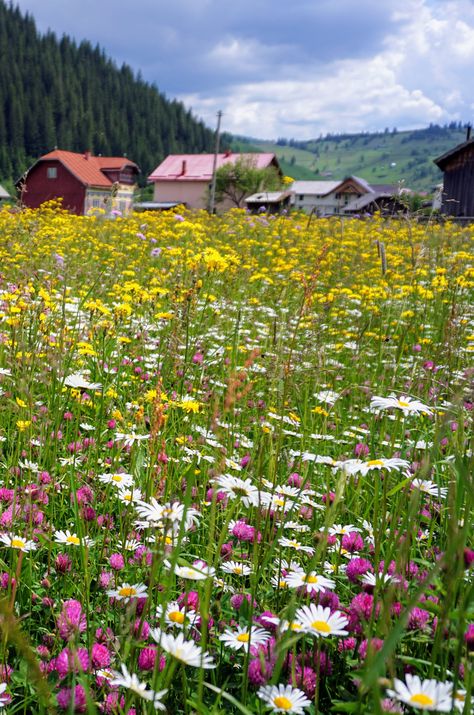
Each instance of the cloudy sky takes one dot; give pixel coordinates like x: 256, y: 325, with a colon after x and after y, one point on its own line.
x: 289, y: 68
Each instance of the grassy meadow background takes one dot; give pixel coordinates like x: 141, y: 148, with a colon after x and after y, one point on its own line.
x: 204, y: 506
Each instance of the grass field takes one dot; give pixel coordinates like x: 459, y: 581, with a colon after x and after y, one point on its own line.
x: 236, y: 464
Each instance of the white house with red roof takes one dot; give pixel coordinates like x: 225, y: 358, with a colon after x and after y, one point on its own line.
x: 186, y: 178
x: 84, y: 182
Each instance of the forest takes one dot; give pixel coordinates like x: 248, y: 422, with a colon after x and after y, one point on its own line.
x: 58, y: 93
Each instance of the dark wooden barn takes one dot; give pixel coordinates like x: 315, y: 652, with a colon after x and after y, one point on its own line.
x: 458, y: 189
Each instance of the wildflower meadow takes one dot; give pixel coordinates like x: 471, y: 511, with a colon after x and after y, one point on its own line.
x: 236, y: 467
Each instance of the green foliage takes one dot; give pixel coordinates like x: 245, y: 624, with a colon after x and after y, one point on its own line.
x: 57, y: 93
x: 242, y: 178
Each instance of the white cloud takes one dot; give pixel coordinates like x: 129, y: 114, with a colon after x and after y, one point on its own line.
x: 422, y: 75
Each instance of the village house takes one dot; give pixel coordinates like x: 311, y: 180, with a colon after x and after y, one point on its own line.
x: 84, y: 182
x: 272, y: 202
x: 349, y: 196
x: 4, y: 195
x: 186, y: 178
x: 457, y: 198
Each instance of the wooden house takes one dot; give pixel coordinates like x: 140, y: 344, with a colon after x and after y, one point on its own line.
x: 84, y: 182
x: 457, y: 166
x: 186, y: 178
x: 272, y: 202
x: 328, y: 198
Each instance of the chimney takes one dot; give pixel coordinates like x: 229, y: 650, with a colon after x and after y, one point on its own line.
x: 87, y: 155
x: 183, y: 168
x: 468, y: 132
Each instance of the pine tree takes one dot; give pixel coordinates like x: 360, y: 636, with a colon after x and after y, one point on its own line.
x: 56, y: 92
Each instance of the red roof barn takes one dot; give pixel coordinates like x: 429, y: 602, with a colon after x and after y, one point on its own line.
x: 82, y: 181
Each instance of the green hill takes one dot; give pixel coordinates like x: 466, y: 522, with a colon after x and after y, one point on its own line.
x: 59, y: 93
x: 388, y: 157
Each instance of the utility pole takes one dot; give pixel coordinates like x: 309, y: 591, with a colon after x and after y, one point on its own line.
x: 212, y: 198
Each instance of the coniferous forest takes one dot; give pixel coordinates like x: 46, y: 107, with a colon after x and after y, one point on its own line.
x: 57, y: 93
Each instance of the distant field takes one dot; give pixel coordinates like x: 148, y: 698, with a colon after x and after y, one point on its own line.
x: 392, y: 157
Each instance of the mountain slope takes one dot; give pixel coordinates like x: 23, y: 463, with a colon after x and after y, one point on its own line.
x: 390, y: 157
x: 57, y: 93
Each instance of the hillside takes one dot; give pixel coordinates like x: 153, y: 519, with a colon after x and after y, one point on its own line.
x: 384, y: 158
x: 58, y: 93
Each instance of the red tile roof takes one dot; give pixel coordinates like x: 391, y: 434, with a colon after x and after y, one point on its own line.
x: 198, y: 167
x: 88, y: 168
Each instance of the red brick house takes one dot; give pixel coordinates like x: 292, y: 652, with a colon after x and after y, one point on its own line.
x: 84, y: 182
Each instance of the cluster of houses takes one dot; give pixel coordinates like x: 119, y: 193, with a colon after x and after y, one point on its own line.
x: 86, y: 183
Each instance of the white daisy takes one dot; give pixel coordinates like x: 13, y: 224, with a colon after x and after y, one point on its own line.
x: 68, y: 539
x: 371, y: 579
x: 236, y: 568
x: 237, y: 488
x: 130, y: 438
x: 127, y: 592
x: 311, y: 582
x: 294, y: 544
x: 178, y: 616
x: 244, y: 637
x: 278, y: 502
x: 428, y: 695
x: 161, y: 514
x: 460, y: 700
x: 429, y: 487
x: 197, y: 572
x: 79, y: 382
x: 284, y: 625
x: 407, y: 405
x: 340, y: 530
x: 118, y: 479
x: 295, y: 526
x: 131, y: 682
x: 284, y: 698
x: 4, y: 697
x: 129, y: 544
x: 18, y: 542
x: 129, y: 495
x: 320, y: 621
x: 188, y: 652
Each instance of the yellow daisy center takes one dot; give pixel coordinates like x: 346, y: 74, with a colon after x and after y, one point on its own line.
x: 73, y: 539
x: 310, y: 579
x: 279, y: 501
x: 237, y: 569
x: 127, y: 591
x: 18, y: 543
x: 283, y: 703
x: 117, y: 478
x: 295, y: 626
x: 374, y: 463
x: 176, y: 617
x: 421, y: 699
x: 243, y: 637
x: 294, y: 544
x: 403, y: 403
x: 321, y: 626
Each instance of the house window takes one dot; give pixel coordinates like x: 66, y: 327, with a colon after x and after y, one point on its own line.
x: 301, y: 197
x: 52, y: 172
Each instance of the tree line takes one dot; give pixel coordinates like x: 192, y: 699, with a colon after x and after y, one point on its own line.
x: 56, y: 93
